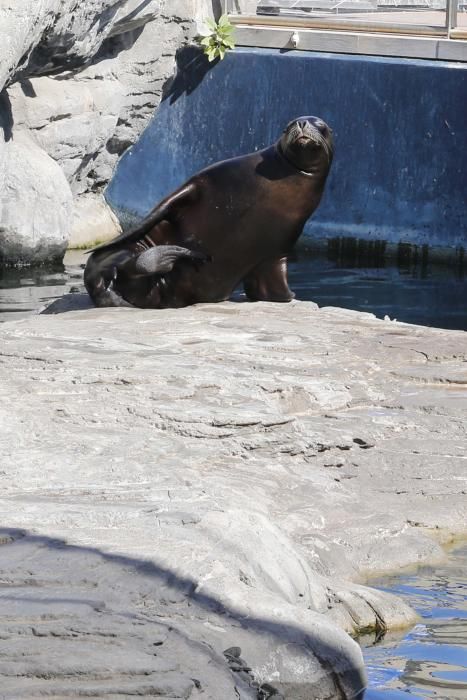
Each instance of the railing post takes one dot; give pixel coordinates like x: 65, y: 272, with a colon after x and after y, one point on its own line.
x: 451, y: 15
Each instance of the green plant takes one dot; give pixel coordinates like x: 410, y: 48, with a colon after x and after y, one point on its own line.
x: 216, y: 37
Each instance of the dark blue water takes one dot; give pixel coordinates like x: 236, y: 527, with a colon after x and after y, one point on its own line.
x: 430, y: 660
x: 408, y: 288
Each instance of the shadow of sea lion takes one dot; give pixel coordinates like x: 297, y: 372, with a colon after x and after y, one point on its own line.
x: 69, y: 302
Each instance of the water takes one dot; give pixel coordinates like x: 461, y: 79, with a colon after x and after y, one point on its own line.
x: 24, y: 291
x: 408, y: 287
x: 430, y: 661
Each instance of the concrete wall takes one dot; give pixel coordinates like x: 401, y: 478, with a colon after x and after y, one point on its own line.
x: 400, y: 125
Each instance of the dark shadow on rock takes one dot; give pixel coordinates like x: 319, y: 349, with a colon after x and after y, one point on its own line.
x: 69, y: 302
x: 134, y: 13
x: 28, y: 88
x: 82, y: 302
x: 57, y: 53
x: 114, y: 45
x: 121, y: 586
x: 6, y: 116
x: 192, y: 67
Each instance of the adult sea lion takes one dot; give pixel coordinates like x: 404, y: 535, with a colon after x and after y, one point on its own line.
x: 235, y: 221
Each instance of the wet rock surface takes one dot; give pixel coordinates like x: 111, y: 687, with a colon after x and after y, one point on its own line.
x: 192, y: 499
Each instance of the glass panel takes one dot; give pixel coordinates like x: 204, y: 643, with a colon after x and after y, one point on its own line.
x: 421, y: 12
x: 462, y: 14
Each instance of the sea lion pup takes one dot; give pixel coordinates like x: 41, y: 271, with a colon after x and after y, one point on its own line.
x: 235, y: 221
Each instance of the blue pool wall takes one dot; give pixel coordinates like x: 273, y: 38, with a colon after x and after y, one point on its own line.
x: 400, y: 130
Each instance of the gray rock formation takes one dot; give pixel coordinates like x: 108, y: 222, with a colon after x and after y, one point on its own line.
x: 79, y: 80
x: 185, y: 483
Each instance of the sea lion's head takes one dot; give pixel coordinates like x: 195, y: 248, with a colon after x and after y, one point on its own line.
x: 307, y: 144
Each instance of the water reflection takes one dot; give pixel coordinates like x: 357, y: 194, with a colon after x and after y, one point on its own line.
x: 402, y: 282
x: 431, y: 660
x: 24, y: 291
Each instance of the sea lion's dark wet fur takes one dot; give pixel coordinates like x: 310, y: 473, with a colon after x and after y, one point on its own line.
x: 235, y: 221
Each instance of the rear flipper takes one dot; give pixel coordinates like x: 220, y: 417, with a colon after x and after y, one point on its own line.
x: 98, y: 277
x: 268, y: 282
x: 102, y: 269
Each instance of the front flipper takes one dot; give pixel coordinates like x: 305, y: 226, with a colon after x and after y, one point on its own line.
x: 268, y: 282
x: 103, y: 268
x: 161, y: 259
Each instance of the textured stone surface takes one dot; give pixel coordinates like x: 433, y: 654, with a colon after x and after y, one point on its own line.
x: 80, y: 80
x: 224, y: 476
x: 93, y: 221
x: 36, y: 204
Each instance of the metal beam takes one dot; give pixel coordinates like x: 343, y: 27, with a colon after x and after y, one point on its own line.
x: 363, y: 43
x: 335, y: 23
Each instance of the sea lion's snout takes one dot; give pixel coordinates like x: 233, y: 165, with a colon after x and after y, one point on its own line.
x: 307, y: 137
x: 306, y: 131
x: 311, y: 129
x: 305, y: 140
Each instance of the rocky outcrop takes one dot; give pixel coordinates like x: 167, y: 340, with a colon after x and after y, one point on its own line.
x: 195, y: 496
x: 80, y: 81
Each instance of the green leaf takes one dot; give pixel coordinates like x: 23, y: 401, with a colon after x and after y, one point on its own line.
x: 224, y: 21
x: 216, y: 39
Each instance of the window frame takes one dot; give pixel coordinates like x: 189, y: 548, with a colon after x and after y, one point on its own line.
x: 337, y: 35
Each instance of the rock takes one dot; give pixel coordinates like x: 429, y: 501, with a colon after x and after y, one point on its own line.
x: 81, y: 81
x: 184, y: 482
x: 71, y: 119
x: 36, y: 207
x: 93, y: 222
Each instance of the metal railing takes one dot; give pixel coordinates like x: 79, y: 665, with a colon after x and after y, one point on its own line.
x: 446, y: 18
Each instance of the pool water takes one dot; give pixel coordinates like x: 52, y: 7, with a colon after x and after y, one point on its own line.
x: 430, y: 660
x: 410, y: 286
x: 407, y: 288
x: 25, y: 291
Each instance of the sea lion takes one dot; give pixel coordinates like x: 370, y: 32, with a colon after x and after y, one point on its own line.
x: 236, y: 221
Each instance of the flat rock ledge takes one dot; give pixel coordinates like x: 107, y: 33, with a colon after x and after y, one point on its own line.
x: 193, y: 500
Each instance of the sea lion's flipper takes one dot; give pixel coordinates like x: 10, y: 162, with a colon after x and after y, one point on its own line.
x: 98, y: 280
x: 164, y: 210
x: 268, y: 282
x: 103, y: 269
x: 161, y: 259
